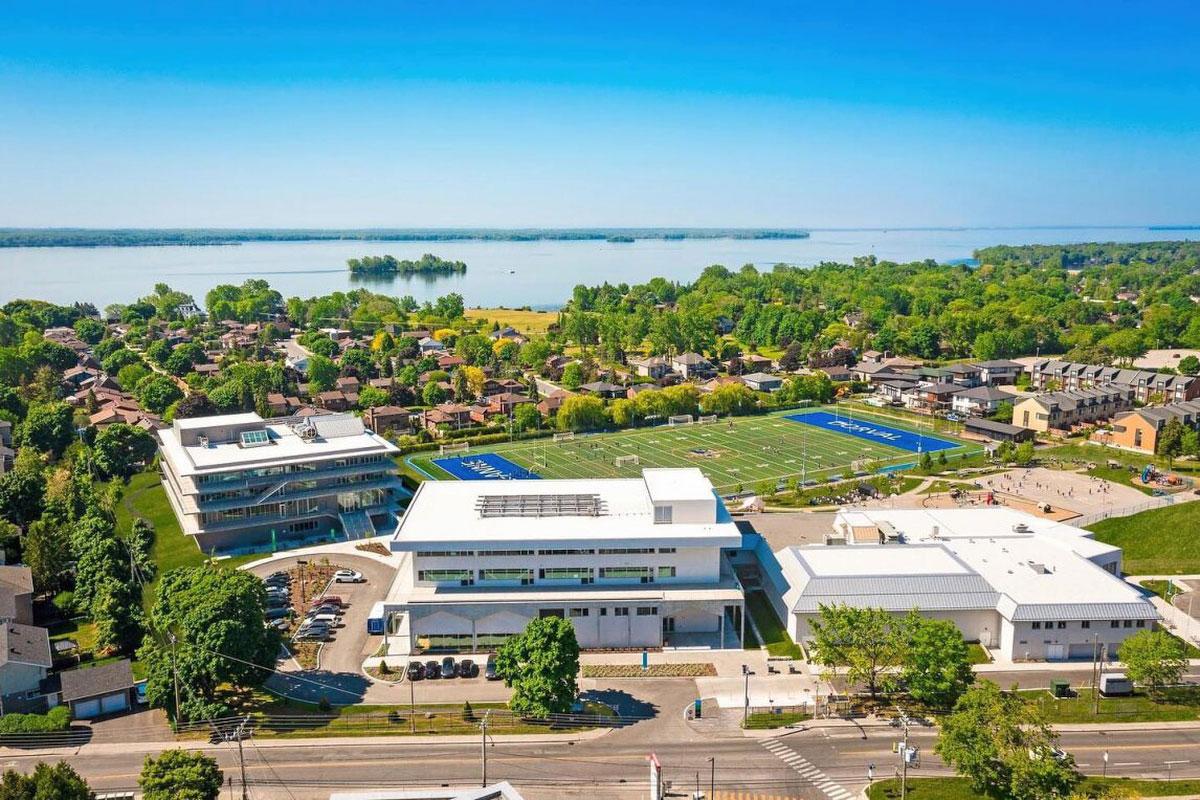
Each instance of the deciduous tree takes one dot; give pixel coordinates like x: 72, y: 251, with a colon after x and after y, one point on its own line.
x: 1153, y: 659
x: 541, y: 666
x: 180, y: 775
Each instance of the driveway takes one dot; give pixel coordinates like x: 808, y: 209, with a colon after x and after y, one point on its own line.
x: 339, y: 677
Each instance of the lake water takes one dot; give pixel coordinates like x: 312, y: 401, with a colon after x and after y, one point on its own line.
x: 538, y: 274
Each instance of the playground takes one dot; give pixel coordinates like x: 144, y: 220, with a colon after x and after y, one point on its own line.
x: 734, y: 453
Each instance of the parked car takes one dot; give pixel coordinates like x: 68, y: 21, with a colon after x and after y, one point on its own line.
x: 325, y: 608
x: 279, y: 624
x: 278, y: 601
x: 468, y: 668
x: 313, y: 635
x: 329, y: 620
x: 278, y: 579
x: 489, y: 671
x: 432, y: 670
x: 449, y: 668
x: 279, y: 612
x: 416, y: 670
x: 334, y: 600
x: 348, y: 576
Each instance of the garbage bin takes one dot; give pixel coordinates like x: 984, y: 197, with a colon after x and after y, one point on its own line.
x: 1060, y: 688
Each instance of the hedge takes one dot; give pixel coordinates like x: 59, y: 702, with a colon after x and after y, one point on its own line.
x: 58, y: 719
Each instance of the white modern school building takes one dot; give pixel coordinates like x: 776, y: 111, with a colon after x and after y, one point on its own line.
x: 631, y: 562
x: 1026, y: 588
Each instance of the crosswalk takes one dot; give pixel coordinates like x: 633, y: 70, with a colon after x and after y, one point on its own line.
x: 806, y: 770
x: 723, y: 795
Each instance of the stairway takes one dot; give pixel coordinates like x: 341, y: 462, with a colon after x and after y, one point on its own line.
x: 357, y: 524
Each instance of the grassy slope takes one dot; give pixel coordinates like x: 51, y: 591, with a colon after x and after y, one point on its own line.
x: 777, y: 640
x: 959, y: 789
x: 1161, y: 541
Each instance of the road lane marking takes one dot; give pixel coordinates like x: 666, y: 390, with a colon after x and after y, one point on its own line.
x: 805, y: 769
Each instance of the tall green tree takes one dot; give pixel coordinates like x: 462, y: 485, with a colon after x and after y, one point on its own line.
x: 1003, y: 746
x: 937, y: 667
x: 47, y: 782
x: 180, y: 775
x: 1153, y: 659
x: 867, y: 643
x: 120, y: 447
x: 541, y: 666
x: 48, y: 427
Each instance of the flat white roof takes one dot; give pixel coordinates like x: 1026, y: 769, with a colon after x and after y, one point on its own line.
x: 665, y: 485
x: 337, y: 435
x: 836, y: 561
x: 447, y: 514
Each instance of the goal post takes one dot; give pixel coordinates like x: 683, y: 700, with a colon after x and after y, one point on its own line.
x: 622, y: 461
x: 565, y: 436
x: 679, y: 419
x: 707, y: 419
x: 454, y: 447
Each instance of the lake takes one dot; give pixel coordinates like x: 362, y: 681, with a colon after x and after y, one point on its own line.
x: 539, y: 274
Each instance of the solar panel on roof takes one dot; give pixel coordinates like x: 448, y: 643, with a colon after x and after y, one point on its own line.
x: 539, y: 505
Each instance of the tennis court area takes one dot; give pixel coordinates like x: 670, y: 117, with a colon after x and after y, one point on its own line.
x: 738, y: 454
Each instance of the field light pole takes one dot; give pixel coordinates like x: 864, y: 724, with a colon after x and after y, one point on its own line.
x: 712, y: 777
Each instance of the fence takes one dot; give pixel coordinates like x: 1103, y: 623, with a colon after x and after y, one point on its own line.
x: 1123, y: 511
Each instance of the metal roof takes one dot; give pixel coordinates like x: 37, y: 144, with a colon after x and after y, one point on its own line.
x: 1080, y: 611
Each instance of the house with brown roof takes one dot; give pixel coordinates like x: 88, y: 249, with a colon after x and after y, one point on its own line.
x: 692, y: 365
x: 450, y: 415
x: 550, y: 404
x: 651, y: 366
x: 388, y: 418
x: 332, y: 400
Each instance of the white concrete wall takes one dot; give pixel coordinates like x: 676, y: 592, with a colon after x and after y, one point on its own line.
x: 1029, y: 644
x: 974, y: 625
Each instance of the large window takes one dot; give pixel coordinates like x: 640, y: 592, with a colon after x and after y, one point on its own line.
x: 626, y: 573
x: 566, y: 573
x: 444, y: 575
x: 510, y: 575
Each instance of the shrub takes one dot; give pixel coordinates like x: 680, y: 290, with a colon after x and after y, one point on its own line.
x: 58, y: 719
x: 323, y: 705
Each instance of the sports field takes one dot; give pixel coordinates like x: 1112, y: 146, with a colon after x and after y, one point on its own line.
x: 822, y: 444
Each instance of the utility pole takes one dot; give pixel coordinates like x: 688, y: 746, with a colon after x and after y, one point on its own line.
x: 239, y: 734
x: 483, y: 726
x: 904, y: 757
x: 412, y: 702
x: 746, y: 695
x: 1099, y: 676
x: 1095, y: 659
x: 712, y: 777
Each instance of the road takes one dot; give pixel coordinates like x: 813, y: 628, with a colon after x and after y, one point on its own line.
x: 823, y: 763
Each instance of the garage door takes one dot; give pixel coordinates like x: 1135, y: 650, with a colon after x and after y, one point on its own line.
x: 86, y: 709
x: 1079, y: 652
x: 111, y: 704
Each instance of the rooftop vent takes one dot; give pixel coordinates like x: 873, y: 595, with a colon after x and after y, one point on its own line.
x: 1021, y: 527
x: 203, y: 440
x: 1040, y: 569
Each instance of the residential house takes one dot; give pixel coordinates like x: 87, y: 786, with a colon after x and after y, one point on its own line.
x: 980, y: 401
x: 634, y: 389
x: 1065, y: 410
x: 333, y: 400
x: 837, y: 373
x: 16, y: 595
x: 650, y: 367
x: 450, y: 362
x: 24, y: 662
x: 839, y: 354
x: 692, y: 366
x: 931, y: 397
x: 451, y: 415
x: 430, y: 345
x: 998, y: 372
x: 762, y: 382
x: 1147, y: 386
x: 550, y: 403
x: 99, y: 691
x: 507, y: 333
x: 965, y: 375
x: 1139, y: 429
x: 348, y: 385
x: 388, y: 418
x: 603, y: 390
x: 895, y: 389
x: 494, y: 386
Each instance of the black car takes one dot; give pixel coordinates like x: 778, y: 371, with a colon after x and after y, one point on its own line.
x: 432, y: 670
x: 468, y: 668
x: 416, y: 670
x: 279, y: 612
x: 279, y: 602
x: 449, y: 668
x: 489, y: 672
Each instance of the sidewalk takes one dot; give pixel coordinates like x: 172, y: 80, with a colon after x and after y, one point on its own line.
x: 1174, y: 619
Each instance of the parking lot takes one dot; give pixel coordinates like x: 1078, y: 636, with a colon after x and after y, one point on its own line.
x: 339, y: 676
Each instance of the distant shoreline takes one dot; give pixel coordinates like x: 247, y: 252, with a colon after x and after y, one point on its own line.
x: 208, y: 237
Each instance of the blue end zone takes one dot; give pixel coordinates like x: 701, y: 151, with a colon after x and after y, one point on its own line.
x: 483, y: 467
x: 874, y: 432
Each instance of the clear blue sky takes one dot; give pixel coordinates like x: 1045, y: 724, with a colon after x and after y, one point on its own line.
x: 604, y: 113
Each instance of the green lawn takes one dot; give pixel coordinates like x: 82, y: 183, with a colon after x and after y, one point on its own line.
x: 778, y: 642
x: 960, y: 789
x: 764, y: 721
x: 755, y: 449
x: 145, y: 497
x: 1158, y: 587
x: 1172, y: 705
x: 977, y: 654
x: 1161, y: 541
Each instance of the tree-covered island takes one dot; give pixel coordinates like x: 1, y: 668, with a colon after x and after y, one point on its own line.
x: 427, y: 264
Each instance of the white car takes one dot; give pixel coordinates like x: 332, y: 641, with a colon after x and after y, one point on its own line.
x: 347, y: 576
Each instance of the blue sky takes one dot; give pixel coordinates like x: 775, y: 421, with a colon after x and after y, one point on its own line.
x: 582, y: 113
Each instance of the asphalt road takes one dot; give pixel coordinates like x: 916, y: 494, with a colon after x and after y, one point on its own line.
x: 816, y: 764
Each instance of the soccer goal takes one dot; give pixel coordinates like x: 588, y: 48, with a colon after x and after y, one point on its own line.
x: 454, y: 447
x: 707, y: 419
x: 679, y: 419
x: 624, y: 461
x: 566, y: 436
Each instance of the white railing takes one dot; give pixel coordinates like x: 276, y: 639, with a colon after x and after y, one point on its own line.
x: 1122, y: 511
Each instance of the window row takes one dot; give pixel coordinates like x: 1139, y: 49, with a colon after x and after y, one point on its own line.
x: 1116, y: 623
